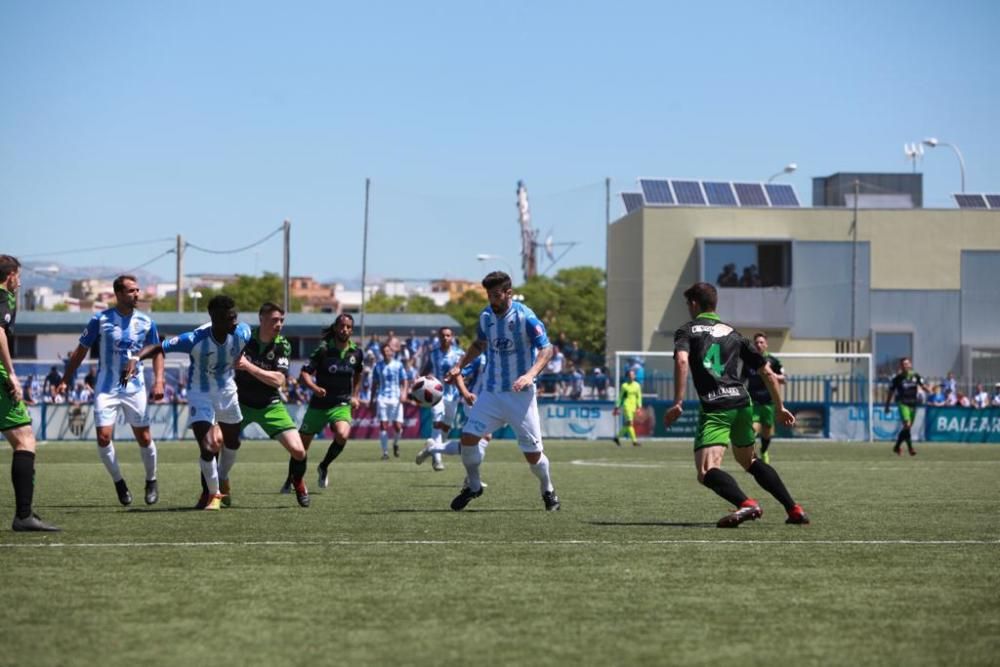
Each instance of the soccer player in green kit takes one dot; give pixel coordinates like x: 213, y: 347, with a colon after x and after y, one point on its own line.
x: 714, y: 353
x: 763, y: 408
x: 629, y: 402
x: 260, y: 372
x: 904, y: 386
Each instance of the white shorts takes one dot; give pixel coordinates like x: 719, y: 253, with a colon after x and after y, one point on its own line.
x: 390, y: 410
x: 132, y: 405
x: 517, y: 408
x: 212, y: 407
x: 444, y: 411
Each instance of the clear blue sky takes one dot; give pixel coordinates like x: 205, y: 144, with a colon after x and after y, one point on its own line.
x: 131, y: 121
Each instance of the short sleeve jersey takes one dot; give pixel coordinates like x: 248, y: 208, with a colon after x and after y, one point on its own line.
x: 390, y: 376
x: 512, y: 343
x: 718, y: 353
x: 904, y: 386
x: 440, y: 363
x: 273, y: 356
x: 758, y: 390
x: 8, y: 313
x: 630, y: 395
x: 119, y: 337
x: 212, y: 363
x: 334, y: 371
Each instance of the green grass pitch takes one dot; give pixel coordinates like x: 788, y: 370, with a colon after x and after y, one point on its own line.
x: 901, y: 565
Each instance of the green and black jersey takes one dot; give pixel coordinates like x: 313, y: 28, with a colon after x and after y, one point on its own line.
x: 755, y: 385
x: 8, y: 313
x: 271, y: 356
x: 904, y: 386
x: 334, y: 371
x: 717, y: 353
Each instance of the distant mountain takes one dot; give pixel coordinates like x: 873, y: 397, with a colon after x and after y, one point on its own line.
x: 60, y: 276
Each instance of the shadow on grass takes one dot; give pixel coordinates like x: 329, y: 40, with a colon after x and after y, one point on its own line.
x: 665, y: 524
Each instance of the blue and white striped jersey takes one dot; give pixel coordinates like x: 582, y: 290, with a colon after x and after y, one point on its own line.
x: 473, y: 374
x: 512, y: 343
x: 120, y: 338
x: 212, y: 364
x: 390, y: 376
x: 441, y: 362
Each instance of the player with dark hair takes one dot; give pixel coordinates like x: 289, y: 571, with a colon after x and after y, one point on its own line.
x: 389, y: 391
x: 212, y: 399
x: 121, y: 332
x: 260, y: 372
x: 629, y: 402
x: 763, y: 407
x: 15, y: 422
x: 517, y: 349
x: 333, y: 373
x: 904, y: 386
x: 716, y: 352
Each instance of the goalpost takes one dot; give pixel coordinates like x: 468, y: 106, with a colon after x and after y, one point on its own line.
x: 838, y: 380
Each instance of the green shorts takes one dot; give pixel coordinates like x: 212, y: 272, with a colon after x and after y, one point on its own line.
x: 763, y: 414
x: 726, y: 427
x: 906, y: 412
x: 317, y: 418
x: 274, y: 418
x: 12, y: 415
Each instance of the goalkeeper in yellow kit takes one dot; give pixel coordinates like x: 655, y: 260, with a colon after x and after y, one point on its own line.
x: 629, y: 401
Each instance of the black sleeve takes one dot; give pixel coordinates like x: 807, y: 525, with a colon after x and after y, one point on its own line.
x: 776, y: 366
x: 6, y: 314
x: 749, y: 354
x: 682, y: 340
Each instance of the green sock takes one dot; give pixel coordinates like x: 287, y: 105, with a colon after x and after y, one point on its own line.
x: 631, y: 433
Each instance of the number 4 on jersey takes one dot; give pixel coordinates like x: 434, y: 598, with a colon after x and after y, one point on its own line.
x: 713, y: 360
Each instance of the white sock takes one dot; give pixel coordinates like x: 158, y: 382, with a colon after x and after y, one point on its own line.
x: 383, y: 437
x: 471, y: 458
x: 441, y: 435
x: 227, y: 459
x: 110, y: 460
x: 452, y: 448
x: 210, y: 471
x: 541, y: 471
x: 149, y: 460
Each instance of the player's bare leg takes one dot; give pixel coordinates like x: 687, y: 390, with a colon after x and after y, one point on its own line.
x: 341, y: 431
x: 708, y: 462
x: 209, y: 439
x: 769, y: 480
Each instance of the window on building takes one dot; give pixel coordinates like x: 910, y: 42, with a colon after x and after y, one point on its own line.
x: 24, y: 347
x: 889, y: 349
x: 748, y: 263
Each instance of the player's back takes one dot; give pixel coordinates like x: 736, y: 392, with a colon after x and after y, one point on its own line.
x: 717, y: 353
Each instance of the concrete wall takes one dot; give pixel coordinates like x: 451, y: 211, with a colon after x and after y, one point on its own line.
x: 932, y: 316
x: 980, y: 298
x: 822, y: 274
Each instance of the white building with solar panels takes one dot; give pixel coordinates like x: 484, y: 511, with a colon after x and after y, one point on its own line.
x: 911, y: 281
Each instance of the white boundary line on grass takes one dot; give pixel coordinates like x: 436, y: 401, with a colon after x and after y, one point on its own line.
x: 555, y: 543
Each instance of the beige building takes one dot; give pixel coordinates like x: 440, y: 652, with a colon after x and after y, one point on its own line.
x: 918, y: 282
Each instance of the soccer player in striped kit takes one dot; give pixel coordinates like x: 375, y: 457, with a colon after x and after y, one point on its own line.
x: 517, y: 349
x: 389, y: 388
x: 214, y: 349
x: 121, y: 332
x: 439, y: 362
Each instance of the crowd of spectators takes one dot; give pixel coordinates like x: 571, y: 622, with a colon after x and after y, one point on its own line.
x: 730, y: 278
x: 947, y: 394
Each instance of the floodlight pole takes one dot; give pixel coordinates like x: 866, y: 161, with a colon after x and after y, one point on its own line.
x: 933, y: 143
x: 364, y: 259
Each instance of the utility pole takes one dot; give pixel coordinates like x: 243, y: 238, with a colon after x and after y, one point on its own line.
x: 287, y: 304
x: 180, y: 273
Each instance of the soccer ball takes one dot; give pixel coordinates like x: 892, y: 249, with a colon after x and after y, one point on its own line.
x: 427, y: 391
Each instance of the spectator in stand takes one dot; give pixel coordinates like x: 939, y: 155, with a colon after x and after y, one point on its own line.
x: 599, y: 384
x: 950, y: 398
x: 750, y: 277
x: 553, y: 372
x: 30, y: 390
x: 950, y: 383
x: 81, y: 394
x: 981, y: 400
x: 995, y: 401
x: 169, y: 394
x: 574, y: 353
x: 575, y: 384
x: 51, y: 383
x: 90, y: 379
x: 963, y: 401
x: 728, y: 277
x: 937, y: 398
x: 182, y: 392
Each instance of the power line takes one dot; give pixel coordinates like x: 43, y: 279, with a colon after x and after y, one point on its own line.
x: 169, y: 251
x: 235, y: 250
x: 102, y: 247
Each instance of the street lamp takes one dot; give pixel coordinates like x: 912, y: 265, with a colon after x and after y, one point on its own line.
x: 486, y: 257
x: 934, y: 143
x: 789, y: 168
x: 195, y: 295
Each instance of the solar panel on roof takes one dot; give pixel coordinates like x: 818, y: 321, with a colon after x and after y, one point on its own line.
x: 688, y: 192
x: 750, y: 194
x: 993, y: 201
x: 632, y: 201
x: 781, y: 194
x: 720, y: 194
x: 656, y: 193
x: 970, y: 201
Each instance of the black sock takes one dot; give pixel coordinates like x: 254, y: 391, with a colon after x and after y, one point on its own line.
x: 900, y: 438
x: 22, y: 475
x: 908, y: 438
x: 724, y: 485
x: 291, y: 467
x: 333, y: 452
x: 296, y: 470
x: 764, y: 444
x: 770, y: 481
